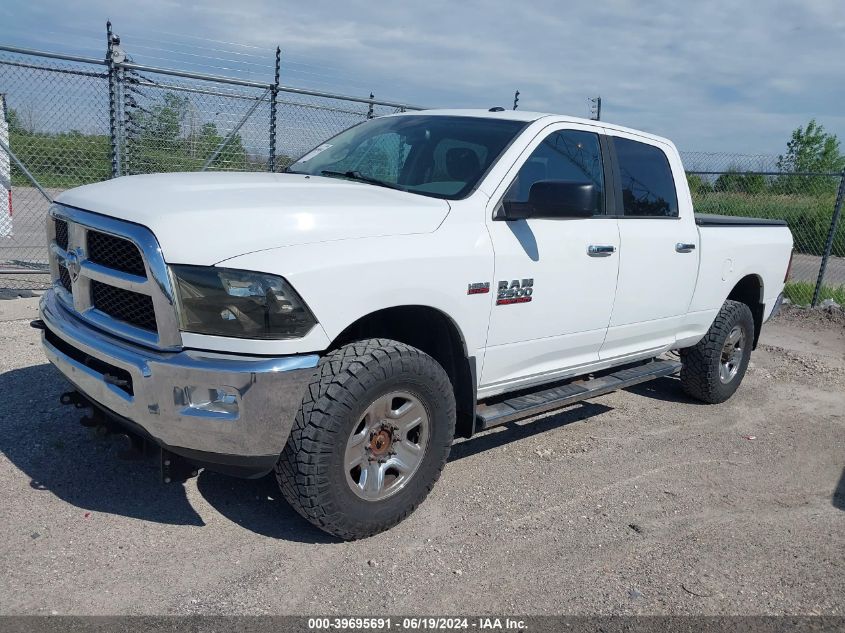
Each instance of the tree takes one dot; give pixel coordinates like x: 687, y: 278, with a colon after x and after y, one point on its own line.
x: 812, y: 149
x: 170, y: 137
x: 22, y: 123
x: 164, y: 125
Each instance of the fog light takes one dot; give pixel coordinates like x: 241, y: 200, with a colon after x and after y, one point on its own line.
x: 219, y: 400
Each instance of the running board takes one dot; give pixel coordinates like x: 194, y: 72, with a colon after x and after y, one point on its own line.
x: 546, y: 400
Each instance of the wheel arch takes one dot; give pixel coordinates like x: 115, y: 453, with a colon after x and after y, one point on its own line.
x: 749, y: 290
x: 435, y: 333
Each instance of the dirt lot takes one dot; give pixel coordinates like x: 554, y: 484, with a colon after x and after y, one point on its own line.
x: 637, y: 502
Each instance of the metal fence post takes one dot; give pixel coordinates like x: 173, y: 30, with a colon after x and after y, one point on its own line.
x: 834, y: 222
x: 25, y: 171
x: 113, y: 133
x: 271, y: 160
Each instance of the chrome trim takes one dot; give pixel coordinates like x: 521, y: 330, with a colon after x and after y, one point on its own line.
x: 156, y: 285
x: 267, y: 391
x: 600, y: 250
x: 682, y: 247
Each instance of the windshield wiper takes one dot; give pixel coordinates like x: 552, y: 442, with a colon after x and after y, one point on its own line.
x: 357, y: 175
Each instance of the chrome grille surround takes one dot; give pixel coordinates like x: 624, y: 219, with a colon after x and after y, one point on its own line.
x: 156, y: 284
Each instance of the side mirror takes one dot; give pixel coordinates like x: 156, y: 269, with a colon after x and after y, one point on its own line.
x: 554, y: 199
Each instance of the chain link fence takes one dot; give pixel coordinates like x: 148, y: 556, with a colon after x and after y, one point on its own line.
x: 69, y: 121
x: 810, y: 202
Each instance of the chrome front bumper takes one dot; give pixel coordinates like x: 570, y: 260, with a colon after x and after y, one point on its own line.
x: 229, y: 409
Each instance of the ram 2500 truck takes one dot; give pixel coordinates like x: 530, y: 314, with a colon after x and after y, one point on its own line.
x: 416, y: 278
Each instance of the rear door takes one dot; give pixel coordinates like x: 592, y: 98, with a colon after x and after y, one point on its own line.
x: 552, y: 299
x: 659, y: 250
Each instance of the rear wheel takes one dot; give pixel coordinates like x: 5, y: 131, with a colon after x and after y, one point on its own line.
x: 370, y: 440
x: 713, y: 369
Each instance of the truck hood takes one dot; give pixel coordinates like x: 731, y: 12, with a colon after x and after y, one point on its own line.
x: 204, y: 218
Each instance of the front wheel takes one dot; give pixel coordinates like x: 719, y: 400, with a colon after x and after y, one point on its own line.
x: 713, y: 369
x: 370, y: 440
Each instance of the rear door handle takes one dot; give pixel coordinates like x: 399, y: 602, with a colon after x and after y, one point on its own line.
x: 681, y: 247
x: 599, y: 250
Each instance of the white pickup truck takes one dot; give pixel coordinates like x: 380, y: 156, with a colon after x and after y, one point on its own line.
x: 415, y: 278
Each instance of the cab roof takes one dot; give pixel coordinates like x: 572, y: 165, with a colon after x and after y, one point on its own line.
x: 530, y: 117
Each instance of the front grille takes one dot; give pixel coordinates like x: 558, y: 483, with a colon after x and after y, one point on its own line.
x: 124, y: 305
x: 112, y: 290
x: 61, y: 233
x: 64, y: 277
x: 116, y: 253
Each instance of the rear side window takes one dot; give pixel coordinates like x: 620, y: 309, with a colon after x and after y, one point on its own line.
x: 648, y: 188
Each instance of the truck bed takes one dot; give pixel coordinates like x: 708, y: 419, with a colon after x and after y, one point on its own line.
x: 705, y: 219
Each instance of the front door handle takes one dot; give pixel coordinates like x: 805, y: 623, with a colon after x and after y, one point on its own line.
x: 681, y: 247
x: 599, y: 250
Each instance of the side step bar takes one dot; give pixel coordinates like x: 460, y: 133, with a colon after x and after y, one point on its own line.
x: 545, y: 400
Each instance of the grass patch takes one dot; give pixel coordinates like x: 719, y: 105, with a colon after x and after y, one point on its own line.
x: 808, y: 216
x: 801, y: 292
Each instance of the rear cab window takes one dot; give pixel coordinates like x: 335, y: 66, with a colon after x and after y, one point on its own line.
x: 648, y: 186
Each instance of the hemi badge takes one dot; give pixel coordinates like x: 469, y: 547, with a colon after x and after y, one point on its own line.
x: 479, y: 288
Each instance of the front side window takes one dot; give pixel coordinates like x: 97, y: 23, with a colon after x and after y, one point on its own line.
x: 439, y: 156
x: 648, y: 188
x: 569, y: 155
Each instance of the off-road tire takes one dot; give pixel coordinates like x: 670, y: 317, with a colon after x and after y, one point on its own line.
x: 700, y: 370
x: 310, y: 470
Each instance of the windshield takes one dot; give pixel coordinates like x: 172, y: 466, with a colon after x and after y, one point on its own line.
x: 440, y: 156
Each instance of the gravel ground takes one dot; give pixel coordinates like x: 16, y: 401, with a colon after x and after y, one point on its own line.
x: 637, y: 502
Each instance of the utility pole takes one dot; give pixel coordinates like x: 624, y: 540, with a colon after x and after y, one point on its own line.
x: 595, y: 108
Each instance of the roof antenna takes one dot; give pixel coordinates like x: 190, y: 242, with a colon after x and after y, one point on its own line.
x: 516, y: 100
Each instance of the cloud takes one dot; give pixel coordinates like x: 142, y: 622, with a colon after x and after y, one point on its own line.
x: 714, y: 76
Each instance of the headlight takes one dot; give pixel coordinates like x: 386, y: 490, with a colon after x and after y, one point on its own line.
x: 239, y: 303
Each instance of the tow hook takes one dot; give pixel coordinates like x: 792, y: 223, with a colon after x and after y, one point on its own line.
x: 74, y: 398
x: 176, y: 469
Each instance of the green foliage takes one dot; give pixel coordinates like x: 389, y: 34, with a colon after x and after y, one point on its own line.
x: 801, y: 292
x: 808, y: 216
x: 738, y: 182
x: 169, y: 139
x: 60, y: 160
x: 15, y: 124
x: 811, y: 149
x: 697, y: 185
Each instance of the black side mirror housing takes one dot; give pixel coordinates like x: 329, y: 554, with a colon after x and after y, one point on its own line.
x: 554, y: 199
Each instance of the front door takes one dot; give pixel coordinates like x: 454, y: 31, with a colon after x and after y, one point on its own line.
x: 554, y: 295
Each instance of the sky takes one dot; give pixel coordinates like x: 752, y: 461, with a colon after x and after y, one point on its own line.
x: 714, y: 76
